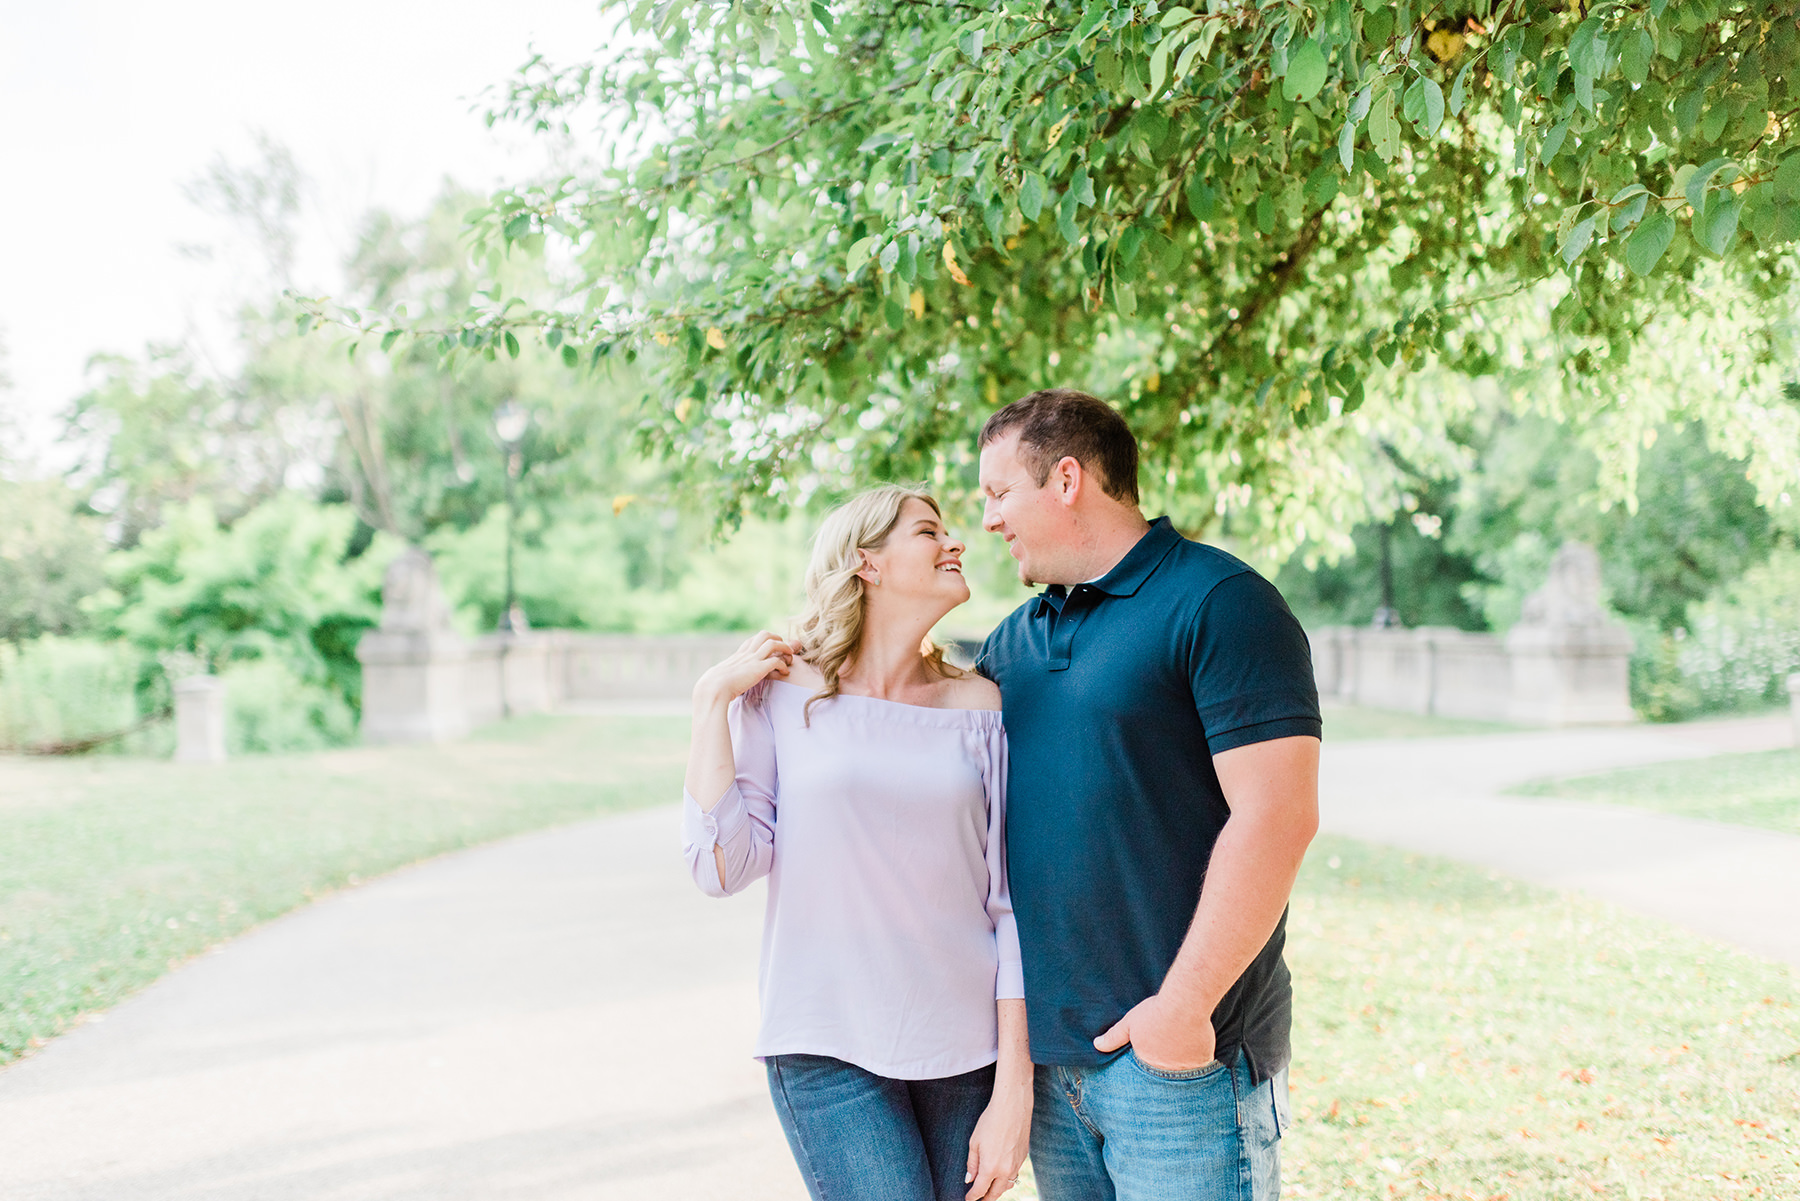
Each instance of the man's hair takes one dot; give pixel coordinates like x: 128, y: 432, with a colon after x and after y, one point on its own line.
x: 1059, y: 423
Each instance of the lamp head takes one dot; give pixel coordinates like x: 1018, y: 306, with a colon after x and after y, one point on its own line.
x: 511, y: 420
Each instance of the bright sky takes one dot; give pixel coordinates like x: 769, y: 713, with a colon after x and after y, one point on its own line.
x: 112, y: 106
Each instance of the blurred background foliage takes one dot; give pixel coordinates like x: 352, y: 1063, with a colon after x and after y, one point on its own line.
x: 238, y: 517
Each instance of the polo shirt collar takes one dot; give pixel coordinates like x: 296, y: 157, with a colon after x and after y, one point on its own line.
x: 1129, y: 573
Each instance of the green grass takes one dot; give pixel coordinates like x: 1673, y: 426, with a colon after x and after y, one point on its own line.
x: 1761, y: 789
x: 1461, y: 1035
x: 1348, y: 723
x: 114, y: 870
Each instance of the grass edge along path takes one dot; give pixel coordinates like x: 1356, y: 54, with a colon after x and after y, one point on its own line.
x: 1760, y: 788
x: 114, y: 871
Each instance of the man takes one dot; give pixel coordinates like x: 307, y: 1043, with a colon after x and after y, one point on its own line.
x: 1164, y: 729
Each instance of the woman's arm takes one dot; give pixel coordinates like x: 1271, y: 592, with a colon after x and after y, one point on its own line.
x: 730, y: 781
x: 1003, y: 1135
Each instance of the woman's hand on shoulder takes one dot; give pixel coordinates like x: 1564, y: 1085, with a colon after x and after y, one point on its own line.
x: 763, y: 655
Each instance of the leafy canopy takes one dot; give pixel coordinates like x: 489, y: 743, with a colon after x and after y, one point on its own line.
x: 845, y: 232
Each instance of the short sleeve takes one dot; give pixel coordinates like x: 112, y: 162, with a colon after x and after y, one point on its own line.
x: 1251, y: 666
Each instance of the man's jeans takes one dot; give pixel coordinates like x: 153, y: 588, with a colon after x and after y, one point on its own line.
x: 861, y: 1137
x: 1127, y: 1132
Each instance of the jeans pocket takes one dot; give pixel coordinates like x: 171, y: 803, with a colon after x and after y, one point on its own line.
x: 1210, y: 1068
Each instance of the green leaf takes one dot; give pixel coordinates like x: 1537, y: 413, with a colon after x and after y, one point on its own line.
x: 894, y: 314
x: 1305, y: 73
x: 1434, y: 107
x: 1579, y: 237
x: 1553, y: 141
x: 1359, y: 108
x: 1648, y: 242
x: 1347, y: 145
x: 1637, y: 54
x: 570, y: 356
x: 860, y: 252
x: 1456, y: 89
x: 1081, y: 186
x: 890, y: 256
x: 1202, y: 198
x: 1384, y: 126
x: 1176, y: 16
x: 1787, y: 178
x: 512, y: 345
x: 1628, y: 214
x: 1696, y: 184
x: 1159, y: 63
x: 1130, y: 242
x: 388, y: 339
x: 1200, y: 46
x: 1031, y: 196
x: 1687, y: 111
x: 1719, y: 225
x: 1095, y: 17
x: 303, y: 322
x: 518, y: 227
x: 1587, y: 48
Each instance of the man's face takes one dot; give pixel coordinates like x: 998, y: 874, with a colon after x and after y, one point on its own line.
x: 1034, y: 520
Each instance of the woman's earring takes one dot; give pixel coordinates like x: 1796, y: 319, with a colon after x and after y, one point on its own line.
x: 877, y: 580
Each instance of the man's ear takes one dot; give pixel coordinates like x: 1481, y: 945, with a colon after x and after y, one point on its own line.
x: 1067, y: 478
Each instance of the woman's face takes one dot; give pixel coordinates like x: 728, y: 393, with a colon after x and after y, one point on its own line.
x: 920, y: 563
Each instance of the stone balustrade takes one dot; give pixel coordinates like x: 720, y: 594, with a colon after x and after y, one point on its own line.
x: 424, y: 682
x: 1564, y: 663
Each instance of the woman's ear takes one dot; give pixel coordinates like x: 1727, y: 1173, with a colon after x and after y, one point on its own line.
x: 869, y: 573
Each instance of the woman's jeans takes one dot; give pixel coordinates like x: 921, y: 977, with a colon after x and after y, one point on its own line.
x: 1125, y: 1131
x: 862, y: 1137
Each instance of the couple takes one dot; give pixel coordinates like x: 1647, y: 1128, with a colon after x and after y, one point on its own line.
x: 1097, y: 886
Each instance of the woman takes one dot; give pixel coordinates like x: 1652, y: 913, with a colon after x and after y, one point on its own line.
x: 865, y: 777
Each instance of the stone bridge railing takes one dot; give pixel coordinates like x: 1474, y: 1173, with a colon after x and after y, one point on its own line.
x: 424, y: 682
x: 1564, y: 663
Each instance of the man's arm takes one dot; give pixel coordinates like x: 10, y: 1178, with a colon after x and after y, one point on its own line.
x: 1273, y: 790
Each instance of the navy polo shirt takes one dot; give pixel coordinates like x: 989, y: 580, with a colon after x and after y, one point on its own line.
x: 1116, y: 696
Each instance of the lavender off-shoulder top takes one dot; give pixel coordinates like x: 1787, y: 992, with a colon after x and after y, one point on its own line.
x: 889, y: 931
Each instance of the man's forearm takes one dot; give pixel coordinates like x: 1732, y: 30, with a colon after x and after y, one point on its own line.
x: 1273, y: 791
x: 1248, y: 881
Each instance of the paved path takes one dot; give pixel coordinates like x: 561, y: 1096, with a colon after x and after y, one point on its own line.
x: 1441, y: 796
x: 561, y: 1015
x: 564, y: 1016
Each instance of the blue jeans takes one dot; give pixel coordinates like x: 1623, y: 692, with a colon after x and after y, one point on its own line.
x: 1128, y: 1132
x: 862, y: 1137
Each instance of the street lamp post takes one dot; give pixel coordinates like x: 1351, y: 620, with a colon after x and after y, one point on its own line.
x: 511, y: 420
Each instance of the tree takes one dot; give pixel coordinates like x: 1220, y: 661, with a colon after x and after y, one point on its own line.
x: 844, y: 232
x: 49, y: 560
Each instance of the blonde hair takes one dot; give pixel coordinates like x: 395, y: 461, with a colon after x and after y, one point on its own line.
x: 830, y: 629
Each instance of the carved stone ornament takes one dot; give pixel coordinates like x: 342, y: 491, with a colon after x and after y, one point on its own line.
x: 412, y: 600
x: 1571, y: 596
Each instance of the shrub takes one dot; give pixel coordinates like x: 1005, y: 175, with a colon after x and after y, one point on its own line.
x: 270, y: 709
x: 64, y: 690
x: 1744, y: 640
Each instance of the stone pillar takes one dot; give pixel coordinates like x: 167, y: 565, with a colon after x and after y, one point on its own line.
x: 200, y: 720
x: 414, y: 661
x: 1570, y: 660
x: 1793, y: 686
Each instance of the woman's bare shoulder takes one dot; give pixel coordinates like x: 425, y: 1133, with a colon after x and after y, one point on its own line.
x: 972, y: 691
